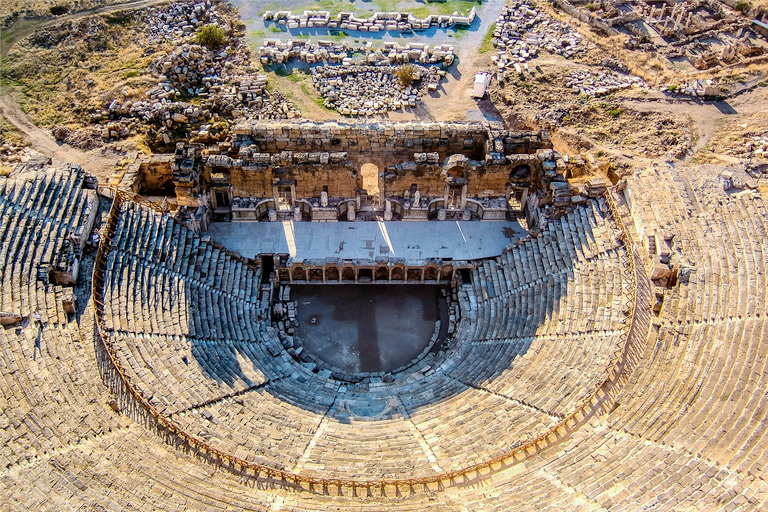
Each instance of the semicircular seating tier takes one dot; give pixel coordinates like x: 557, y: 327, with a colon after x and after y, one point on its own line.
x: 688, y: 430
x: 44, y: 370
x: 539, y: 330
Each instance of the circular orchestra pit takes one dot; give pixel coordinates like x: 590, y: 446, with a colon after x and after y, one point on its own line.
x: 572, y: 371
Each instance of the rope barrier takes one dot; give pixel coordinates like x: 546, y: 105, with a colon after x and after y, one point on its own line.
x: 519, y: 449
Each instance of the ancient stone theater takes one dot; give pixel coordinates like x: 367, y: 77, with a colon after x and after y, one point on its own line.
x: 273, y: 305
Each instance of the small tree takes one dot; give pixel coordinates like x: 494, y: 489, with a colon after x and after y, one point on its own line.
x: 210, y: 36
x: 406, y: 74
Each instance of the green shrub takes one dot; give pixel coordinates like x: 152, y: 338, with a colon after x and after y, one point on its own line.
x: 211, y: 36
x: 406, y: 74
x: 742, y: 6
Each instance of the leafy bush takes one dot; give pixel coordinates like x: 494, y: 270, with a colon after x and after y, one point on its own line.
x: 742, y: 6
x: 211, y: 36
x: 58, y: 10
x: 406, y: 74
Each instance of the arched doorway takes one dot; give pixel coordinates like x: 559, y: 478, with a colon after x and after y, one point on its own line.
x: 299, y: 274
x: 382, y: 274
x: 369, y: 174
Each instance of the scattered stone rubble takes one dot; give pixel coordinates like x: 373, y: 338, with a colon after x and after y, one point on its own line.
x: 758, y: 146
x: 224, y: 80
x: 745, y: 141
x: 706, y: 32
x: 584, y: 121
x: 379, y: 22
x: 522, y: 30
x: 601, y: 82
x: 85, y: 138
x: 367, y: 90
x: 12, y: 154
x: 360, y: 80
x: 277, y: 51
x: 697, y: 88
x: 180, y: 20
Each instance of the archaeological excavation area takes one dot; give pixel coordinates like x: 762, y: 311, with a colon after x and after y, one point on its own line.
x: 246, y: 266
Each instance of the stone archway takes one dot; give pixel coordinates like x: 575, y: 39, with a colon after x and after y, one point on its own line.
x: 332, y: 274
x: 369, y: 181
x: 382, y: 274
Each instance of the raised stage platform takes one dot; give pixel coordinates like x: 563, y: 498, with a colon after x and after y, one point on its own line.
x: 411, y: 241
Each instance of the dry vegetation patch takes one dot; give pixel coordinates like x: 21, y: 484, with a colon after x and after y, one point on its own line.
x: 741, y: 138
x: 139, y: 76
x: 67, y: 72
x: 601, y: 123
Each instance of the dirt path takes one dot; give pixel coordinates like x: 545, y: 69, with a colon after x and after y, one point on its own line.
x: 455, y: 100
x: 705, y: 115
x: 42, y: 141
x: 23, y: 27
x: 39, y: 139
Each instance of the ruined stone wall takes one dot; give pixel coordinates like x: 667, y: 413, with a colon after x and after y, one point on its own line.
x: 399, y: 180
x: 341, y: 181
x: 489, y: 181
x: 156, y: 173
x: 251, y: 181
x: 395, y: 140
x: 480, y: 159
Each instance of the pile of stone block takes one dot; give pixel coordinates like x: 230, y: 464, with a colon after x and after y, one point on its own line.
x: 190, y: 68
x: 277, y: 51
x: 378, y: 22
x: 696, y: 88
x: 522, y: 30
x: 360, y: 90
x: 594, y: 83
x: 224, y: 79
x: 178, y: 20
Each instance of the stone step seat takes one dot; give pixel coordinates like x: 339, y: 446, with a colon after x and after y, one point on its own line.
x: 678, y: 353
x: 163, y: 241
x: 728, y: 386
x: 404, y: 502
x: 184, y: 372
x: 481, y: 362
x: 712, y: 342
x: 474, y: 425
x: 248, y: 278
x: 39, y: 210
x: 40, y: 388
x: 572, y: 238
x: 165, y: 304
x: 374, y: 448
x: 616, y: 458
x: 737, y: 263
x: 626, y: 473
x: 589, y: 299
x: 103, y: 473
x: 429, y: 398
x: 44, y: 194
x: 554, y: 373
x: 749, y: 226
x: 256, y: 425
x: 20, y: 268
